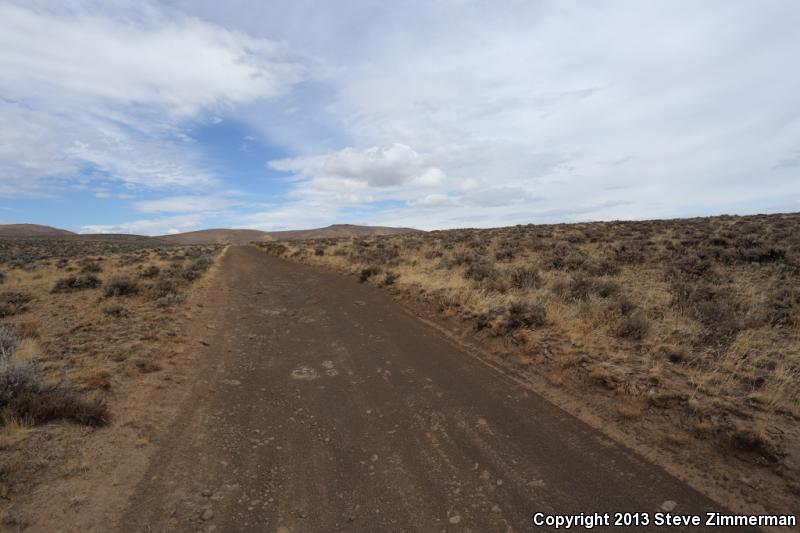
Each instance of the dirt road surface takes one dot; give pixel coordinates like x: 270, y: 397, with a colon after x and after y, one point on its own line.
x: 326, y: 407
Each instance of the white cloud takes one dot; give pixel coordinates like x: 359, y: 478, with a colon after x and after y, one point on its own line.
x: 103, y: 89
x: 434, y: 200
x: 293, y: 215
x: 184, y: 204
x: 392, y: 165
x: 156, y: 226
x: 177, y: 63
x: 539, y: 111
x: 545, y: 96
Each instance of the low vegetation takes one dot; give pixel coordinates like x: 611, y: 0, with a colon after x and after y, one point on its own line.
x: 79, y: 322
x: 693, y: 325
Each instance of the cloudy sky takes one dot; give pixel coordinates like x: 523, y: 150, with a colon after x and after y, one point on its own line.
x: 132, y: 116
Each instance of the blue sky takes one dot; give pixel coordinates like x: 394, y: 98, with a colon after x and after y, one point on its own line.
x: 159, y: 117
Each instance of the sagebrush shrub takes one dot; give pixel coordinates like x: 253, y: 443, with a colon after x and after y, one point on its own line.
x: 525, y: 315
x: 632, y: 326
x: 17, y: 378
x: 480, y: 271
x: 150, y: 272
x: 13, y: 302
x: 9, y: 340
x: 170, y: 299
x: 202, y: 263
x: 76, y: 283
x: 390, y: 278
x: 525, y: 277
x: 784, y: 307
x: 91, y: 268
x: 582, y: 288
x: 121, y: 286
x: 368, y: 272
x: 44, y: 405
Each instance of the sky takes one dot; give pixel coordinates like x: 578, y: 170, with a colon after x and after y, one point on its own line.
x: 161, y: 117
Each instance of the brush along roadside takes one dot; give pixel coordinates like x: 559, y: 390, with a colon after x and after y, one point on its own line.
x: 682, y: 334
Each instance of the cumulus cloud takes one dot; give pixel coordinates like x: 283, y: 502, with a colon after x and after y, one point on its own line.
x: 378, y: 166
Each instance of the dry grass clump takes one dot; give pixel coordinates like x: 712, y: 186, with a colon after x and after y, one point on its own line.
x: 25, y: 396
x: 630, y: 406
x: 659, y: 311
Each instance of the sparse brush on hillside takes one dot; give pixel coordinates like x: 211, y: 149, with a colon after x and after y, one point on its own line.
x: 662, y: 313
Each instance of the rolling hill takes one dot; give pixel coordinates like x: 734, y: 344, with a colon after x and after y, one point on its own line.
x: 337, y: 231
x: 243, y: 236
x: 217, y: 236
x: 31, y: 230
x: 207, y: 236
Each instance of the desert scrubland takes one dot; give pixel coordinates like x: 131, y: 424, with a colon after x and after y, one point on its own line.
x: 679, y: 337
x: 82, y: 322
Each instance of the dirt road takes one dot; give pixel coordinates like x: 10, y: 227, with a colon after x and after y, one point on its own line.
x: 326, y: 407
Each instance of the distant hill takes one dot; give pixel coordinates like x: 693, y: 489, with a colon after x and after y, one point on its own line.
x: 337, y: 231
x: 217, y: 236
x: 206, y: 236
x: 243, y: 236
x: 22, y: 231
